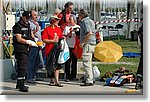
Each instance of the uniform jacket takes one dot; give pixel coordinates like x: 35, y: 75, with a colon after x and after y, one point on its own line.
x: 24, y: 29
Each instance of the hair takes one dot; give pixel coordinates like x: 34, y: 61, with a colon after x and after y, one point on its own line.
x: 74, y: 18
x: 68, y: 4
x: 31, y: 13
x: 57, y: 10
x: 84, y: 13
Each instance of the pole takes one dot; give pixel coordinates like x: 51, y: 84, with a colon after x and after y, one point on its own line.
x: 1, y: 51
x: 130, y: 15
x: 1, y: 29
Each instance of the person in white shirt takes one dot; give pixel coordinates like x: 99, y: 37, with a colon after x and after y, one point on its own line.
x: 70, y: 33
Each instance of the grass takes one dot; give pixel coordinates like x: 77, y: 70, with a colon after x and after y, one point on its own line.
x: 112, y: 67
x: 132, y: 60
x: 127, y: 46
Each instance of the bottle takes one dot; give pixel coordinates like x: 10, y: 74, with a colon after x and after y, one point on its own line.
x: 55, y: 37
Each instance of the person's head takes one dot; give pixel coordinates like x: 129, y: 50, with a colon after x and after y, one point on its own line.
x: 72, y: 19
x: 34, y: 15
x: 57, y: 12
x: 69, y: 7
x: 54, y: 20
x: 26, y: 16
x: 82, y: 14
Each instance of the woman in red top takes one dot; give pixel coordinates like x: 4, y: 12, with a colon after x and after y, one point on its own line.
x: 65, y: 14
x: 51, y: 35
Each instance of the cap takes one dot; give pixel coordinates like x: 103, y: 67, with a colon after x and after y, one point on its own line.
x: 26, y: 14
x: 54, y: 17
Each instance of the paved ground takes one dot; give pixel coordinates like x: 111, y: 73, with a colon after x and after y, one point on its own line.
x: 73, y: 87
x: 42, y: 87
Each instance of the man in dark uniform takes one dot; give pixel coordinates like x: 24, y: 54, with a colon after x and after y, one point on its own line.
x: 139, y: 74
x: 22, y: 40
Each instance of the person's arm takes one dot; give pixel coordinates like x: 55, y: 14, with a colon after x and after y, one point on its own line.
x: 32, y: 35
x: 66, y: 32
x: 86, y: 38
x: 22, y: 40
x: 69, y: 34
x: 48, y: 41
x: 51, y: 41
x: 88, y: 31
x: 17, y: 33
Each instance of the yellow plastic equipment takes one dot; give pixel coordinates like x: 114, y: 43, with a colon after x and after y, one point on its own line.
x: 108, y: 51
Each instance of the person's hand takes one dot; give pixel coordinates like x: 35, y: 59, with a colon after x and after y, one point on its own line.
x: 76, y: 29
x: 55, y: 39
x: 70, y: 34
x: 32, y: 34
x: 31, y: 43
x: 64, y: 37
x: 81, y: 45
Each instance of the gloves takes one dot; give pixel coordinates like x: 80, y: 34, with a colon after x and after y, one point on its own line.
x: 32, y: 43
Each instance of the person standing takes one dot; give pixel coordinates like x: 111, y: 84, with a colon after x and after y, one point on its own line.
x: 34, y: 54
x: 70, y: 33
x: 87, y: 42
x: 51, y: 36
x: 21, y: 41
x: 65, y: 14
x: 139, y: 74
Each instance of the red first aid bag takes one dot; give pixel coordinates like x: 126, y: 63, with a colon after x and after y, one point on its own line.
x: 77, y: 51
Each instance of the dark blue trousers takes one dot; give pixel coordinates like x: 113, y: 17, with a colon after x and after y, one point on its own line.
x: 33, y: 63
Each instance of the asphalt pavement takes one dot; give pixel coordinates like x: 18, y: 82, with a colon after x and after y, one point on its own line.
x: 70, y: 88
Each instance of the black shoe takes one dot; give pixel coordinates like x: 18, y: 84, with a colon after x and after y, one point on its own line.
x: 74, y: 79
x: 87, y: 84
x: 138, y: 86
x: 83, y: 81
x: 59, y: 85
x: 23, y: 89
x: 67, y: 80
x: 17, y: 87
x: 38, y: 79
x: 21, y: 86
x: 52, y: 83
x: 31, y: 82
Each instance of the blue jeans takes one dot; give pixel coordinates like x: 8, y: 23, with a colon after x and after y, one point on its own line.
x: 33, y: 63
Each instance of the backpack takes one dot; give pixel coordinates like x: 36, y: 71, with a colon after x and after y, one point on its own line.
x: 120, y: 79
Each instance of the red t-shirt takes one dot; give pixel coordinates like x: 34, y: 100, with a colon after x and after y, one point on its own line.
x: 62, y: 23
x: 48, y: 33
